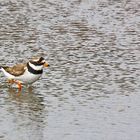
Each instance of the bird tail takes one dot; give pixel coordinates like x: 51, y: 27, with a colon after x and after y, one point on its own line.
x: 1, y: 67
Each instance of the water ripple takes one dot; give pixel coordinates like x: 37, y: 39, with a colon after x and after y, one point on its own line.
x: 92, y: 84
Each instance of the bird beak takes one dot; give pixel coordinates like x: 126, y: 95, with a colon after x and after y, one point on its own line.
x: 46, y: 64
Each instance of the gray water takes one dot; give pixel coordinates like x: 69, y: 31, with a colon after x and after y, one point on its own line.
x: 91, y: 91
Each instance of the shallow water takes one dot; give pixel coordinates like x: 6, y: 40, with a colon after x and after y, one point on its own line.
x: 91, y: 89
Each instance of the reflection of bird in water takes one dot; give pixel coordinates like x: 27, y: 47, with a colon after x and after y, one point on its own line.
x: 28, y: 113
x: 25, y: 73
x: 17, y: 93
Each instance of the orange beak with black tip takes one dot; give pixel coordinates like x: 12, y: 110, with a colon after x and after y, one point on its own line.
x: 46, y: 64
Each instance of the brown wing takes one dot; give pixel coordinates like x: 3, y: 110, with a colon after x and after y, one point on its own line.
x: 16, y: 70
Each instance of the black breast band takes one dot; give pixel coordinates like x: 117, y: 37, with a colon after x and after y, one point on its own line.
x: 31, y: 70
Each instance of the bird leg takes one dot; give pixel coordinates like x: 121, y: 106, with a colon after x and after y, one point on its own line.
x: 19, y: 85
x: 12, y: 81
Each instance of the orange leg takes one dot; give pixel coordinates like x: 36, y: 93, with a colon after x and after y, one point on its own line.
x: 19, y: 85
x: 11, y: 81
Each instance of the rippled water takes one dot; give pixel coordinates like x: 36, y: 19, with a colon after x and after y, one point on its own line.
x: 91, y: 89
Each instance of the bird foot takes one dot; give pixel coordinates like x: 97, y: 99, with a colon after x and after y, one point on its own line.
x: 12, y: 81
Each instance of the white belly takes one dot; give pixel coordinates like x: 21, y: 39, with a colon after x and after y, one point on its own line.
x: 28, y: 78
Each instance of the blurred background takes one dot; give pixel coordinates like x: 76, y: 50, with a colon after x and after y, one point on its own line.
x: 91, y: 89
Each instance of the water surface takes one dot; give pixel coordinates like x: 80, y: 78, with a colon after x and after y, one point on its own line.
x: 91, y: 89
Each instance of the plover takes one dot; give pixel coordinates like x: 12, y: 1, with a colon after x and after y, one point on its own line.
x: 25, y: 73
